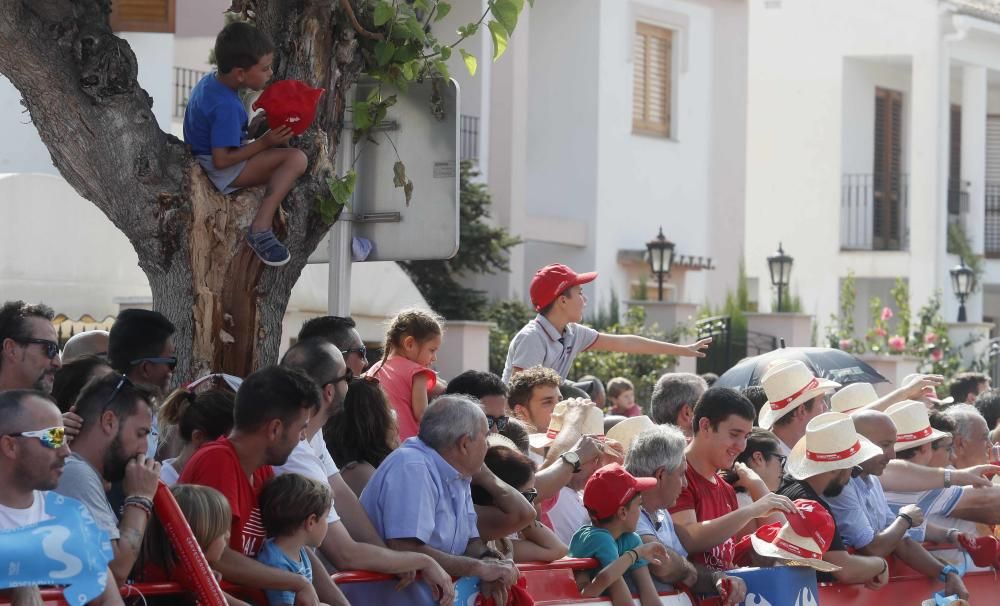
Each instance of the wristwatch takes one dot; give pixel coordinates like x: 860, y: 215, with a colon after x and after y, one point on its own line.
x: 572, y: 459
x: 943, y: 577
x: 947, y: 478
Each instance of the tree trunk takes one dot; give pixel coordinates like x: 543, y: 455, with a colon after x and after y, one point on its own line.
x: 78, y: 81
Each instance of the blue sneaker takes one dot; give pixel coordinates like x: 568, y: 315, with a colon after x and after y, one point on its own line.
x: 268, y: 248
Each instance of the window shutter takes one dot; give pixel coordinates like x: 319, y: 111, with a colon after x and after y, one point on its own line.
x: 651, y: 63
x: 888, y: 178
x: 143, y: 16
x: 955, y: 161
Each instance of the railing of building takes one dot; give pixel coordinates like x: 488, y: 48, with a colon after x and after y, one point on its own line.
x: 469, y: 127
x: 874, y: 212
x: 184, y: 81
x: 991, y: 221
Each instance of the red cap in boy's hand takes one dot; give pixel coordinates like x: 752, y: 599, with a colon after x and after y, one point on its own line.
x: 612, y: 487
x: 289, y: 103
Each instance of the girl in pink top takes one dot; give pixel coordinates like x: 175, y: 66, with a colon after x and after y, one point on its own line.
x: 411, y: 345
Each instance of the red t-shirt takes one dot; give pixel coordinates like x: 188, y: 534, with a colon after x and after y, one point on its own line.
x: 709, y: 500
x: 217, y: 465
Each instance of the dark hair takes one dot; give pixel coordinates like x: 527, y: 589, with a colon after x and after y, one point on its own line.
x: 240, y: 44
x: 272, y: 393
x: 719, y: 403
x: 710, y: 378
x: 477, y: 384
x: 137, y: 333
x: 11, y: 407
x: 14, y: 319
x: 545, y: 310
x: 124, y: 396
x: 965, y: 383
x: 592, y: 385
x: 909, y: 453
x: 71, y: 378
x: 210, y: 412
x: 757, y: 397
x: 517, y: 433
x: 287, y: 501
x: 988, y: 404
x: 524, y: 382
x: 317, y: 358
x: 619, y: 385
x: 509, y: 466
x: 334, y: 329
x: 807, y: 406
x: 942, y: 422
x: 420, y: 324
x: 360, y: 431
x: 762, y: 441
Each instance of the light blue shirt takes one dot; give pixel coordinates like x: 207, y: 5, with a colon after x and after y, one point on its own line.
x: 861, y: 511
x: 660, y: 525
x: 540, y: 344
x: 272, y: 555
x: 936, y: 504
x: 416, y: 494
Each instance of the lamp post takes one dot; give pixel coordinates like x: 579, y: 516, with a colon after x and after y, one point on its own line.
x: 781, y: 272
x: 963, y: 281
x: 661, y: 256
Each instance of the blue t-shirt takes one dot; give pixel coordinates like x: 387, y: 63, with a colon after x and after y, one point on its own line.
x: 593, y: 542
x: 272, y: 555
x: 214, y: 117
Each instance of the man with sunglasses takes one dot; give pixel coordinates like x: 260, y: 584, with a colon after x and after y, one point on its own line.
x: 491, y: 392
x: 343, y: 333
x: 33, y: 451
x: 29, y: 347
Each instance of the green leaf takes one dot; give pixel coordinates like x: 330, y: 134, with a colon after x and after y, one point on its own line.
x: 408, y: 70
x: 362, y: 119
x: 389, y: 101
x: 399, y: 174
x: 341, y: 189
x: 404, y: 54
x: 442, y: 69
x: 470, y: 61
x: 499, y: 34
x: 468, y: 30
x: 384, y: 52
x: 506, y: 12
x: 416, y: 29
x: 422, y: 5
x: 445, y: 53
x: 384, y: 13
x: 443, y: 9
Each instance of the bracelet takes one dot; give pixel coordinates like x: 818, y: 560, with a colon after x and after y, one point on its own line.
x: 943, y: 576
x: 948, y: 534
x: 143, y: 503
x: 635, y: 555
x: 947, y: 478
x: 908, y: 519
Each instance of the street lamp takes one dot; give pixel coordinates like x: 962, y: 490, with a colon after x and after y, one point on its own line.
x: 963, y: 281
x: 661, y: 257
x: 781, y: 272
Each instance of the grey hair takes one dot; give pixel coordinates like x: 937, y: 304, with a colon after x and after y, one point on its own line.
x: 661, y: 446
x: 965, y: 417
x: 450, y: 418
x: 673, y: 390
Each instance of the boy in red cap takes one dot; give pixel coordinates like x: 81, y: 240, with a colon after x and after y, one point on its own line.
x: 613, y: 498
x: 555, y: 337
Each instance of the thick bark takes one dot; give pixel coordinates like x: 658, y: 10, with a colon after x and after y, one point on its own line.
x: 78, y: 81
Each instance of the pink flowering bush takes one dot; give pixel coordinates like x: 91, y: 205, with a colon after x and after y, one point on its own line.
x: 897, y: 343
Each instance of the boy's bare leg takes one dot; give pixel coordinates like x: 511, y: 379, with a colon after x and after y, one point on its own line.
x: 278, y: 168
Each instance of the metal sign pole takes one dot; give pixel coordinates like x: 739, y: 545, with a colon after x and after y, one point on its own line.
x: 338, y: 299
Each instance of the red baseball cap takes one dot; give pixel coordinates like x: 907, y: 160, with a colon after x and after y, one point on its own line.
x: 550, y: 281
x: 289, y: 103
x: 610, y: 488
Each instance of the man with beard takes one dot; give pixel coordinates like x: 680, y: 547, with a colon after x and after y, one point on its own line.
x: 868, y: 525
x: 272, y: 411
x: 821, y: 464
x: 29, y: 347
x: 117, y: 416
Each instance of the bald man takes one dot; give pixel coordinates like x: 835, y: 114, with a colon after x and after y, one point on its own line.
x: 867, y: 523
x: 91, y: 342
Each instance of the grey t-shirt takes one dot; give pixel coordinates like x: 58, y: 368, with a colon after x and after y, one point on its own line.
x: 82, y: 482
x: 540, y: 344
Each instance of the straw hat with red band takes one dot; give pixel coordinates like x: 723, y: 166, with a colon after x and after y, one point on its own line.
x: 913, y: 428
x: 852, y: 397
x: 593, y: 424
x: 799, y: 549
x: 831, y: 443
x: 612, y: 487
x: 789, y: 384
x: 550, y: 282
x: 626, y: 431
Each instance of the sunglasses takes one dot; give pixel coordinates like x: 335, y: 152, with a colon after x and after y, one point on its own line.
x: 52, y: 437
x: 361, y: 351
x: 347, y: 377
x: 51, y: 347
x: 499, y: 422
x: 530, y: 495
x: 122, y: 382
x: 170, y: 361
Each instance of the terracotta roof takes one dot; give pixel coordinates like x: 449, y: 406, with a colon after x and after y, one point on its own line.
x: 982, y: 9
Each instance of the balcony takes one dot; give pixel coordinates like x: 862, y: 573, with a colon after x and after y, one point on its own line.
x: 874, y: 212
x: 184, y: 81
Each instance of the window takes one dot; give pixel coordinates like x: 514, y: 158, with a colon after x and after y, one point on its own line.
x: 142, y: 16
x: 651, y: 86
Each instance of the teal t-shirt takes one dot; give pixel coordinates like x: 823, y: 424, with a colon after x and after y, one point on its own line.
x: 592, y: 542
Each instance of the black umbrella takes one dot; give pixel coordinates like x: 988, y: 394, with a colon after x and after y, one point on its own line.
x: 824, y: 362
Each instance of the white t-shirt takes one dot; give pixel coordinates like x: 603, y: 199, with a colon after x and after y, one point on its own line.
x: 168, y: 474
x: 304, y: 461
x: 568, y: 514
x: 318, y: 443
x: 11, y: 518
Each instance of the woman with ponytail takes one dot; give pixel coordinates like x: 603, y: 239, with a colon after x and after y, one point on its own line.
x: 194, y: 420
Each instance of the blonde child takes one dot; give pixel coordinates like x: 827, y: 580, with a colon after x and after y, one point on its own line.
x: 621, y: 396
x: 411, y: 345
x: 294, y: 510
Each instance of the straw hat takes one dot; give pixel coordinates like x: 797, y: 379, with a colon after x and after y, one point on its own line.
x: 495, y: 439
x: 853, y: 397
x: 627, y: 430
x: 913, y: 428
x: 593, y: 424
x: 806, y: 549
x: 929, y: 392
x: 831, y: 443
x: 787, y: 385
